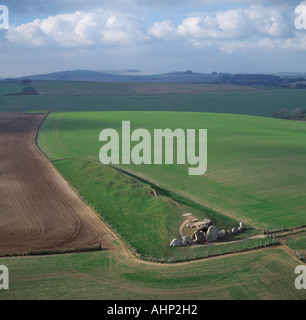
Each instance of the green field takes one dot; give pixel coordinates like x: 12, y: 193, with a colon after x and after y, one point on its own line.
x: 256, y: 166
x: 112, y: 276
x: 83, y: 88
x: 87, y: 98
x: 298, y: 242
x: 10, y: 87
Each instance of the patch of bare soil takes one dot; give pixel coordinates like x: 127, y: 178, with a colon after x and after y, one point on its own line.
x: 38, y: 209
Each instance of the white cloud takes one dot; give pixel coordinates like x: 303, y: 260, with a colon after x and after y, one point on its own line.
x: 186, y: 38
x: 109, y: 28
x: 78, y: 29
x: 228, y: 24
x: 224, y: 25
x: 163, y: 30
x: 271, y: 21
x: 236, y: 30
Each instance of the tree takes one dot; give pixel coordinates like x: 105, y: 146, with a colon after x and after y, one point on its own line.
x: 282, y: 114
x: 293, y: 114
x: 296, y: 114
x: 26, y: 82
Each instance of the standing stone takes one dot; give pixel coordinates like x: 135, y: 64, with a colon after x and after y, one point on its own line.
x: 186, y: 241
x: 222, y: 234
x: 241, y: 226
x: 199, y: 236
x: 212, y: 234
x: 175, y: 243
x: 234, y: 230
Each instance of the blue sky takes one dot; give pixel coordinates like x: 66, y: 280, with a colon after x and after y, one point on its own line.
x: 154, y: 36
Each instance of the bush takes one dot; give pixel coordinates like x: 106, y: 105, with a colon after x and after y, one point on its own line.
x: 293, y: 114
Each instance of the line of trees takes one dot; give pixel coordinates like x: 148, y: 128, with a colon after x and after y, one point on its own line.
x: 292, y: 114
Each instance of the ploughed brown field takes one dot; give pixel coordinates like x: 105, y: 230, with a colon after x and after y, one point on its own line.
x: 38, y: 209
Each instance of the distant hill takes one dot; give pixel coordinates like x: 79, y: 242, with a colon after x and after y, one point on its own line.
x: 136, y: 76
x: 75, y: 75
x: 100, y: 76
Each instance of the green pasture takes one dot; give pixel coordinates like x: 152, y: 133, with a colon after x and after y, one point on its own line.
x: 83, y: 88
x: 256, y: 166
x: 265, y: 275
x: 253, y: 102
x: 10, y: 87
x: 298, y: 242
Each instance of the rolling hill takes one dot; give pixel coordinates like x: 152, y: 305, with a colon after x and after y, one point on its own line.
x: 88, y: 75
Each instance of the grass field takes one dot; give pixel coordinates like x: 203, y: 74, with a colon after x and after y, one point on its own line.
x: 254, y: 102
x: 10, y: 87
x: 112, y: 276
x: 72, y: 88
x: 146, y: 223
x: 298, y: 242
x: 256, y: 166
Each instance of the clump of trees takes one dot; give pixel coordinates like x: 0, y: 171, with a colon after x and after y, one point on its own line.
x: 292, y: 114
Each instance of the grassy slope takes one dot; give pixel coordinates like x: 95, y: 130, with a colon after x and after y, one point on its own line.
x: 147, y: 223
x: 256, y: 166
x: 103, y: 275
x: 259, y: 103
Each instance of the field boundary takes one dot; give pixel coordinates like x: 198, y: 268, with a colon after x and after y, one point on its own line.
x: 53, y: 251
x: 112, y: 229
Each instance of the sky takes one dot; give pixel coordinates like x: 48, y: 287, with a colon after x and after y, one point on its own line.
x: 155, y: 36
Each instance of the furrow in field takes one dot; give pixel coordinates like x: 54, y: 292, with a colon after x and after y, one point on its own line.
x: 38, y: 209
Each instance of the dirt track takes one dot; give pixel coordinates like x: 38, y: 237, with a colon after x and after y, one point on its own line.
x: 38, y: 210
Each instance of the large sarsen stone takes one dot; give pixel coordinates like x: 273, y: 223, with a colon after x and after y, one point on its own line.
x: 175, y: 243
x: 212, y: 234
